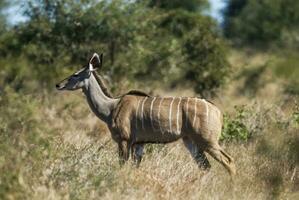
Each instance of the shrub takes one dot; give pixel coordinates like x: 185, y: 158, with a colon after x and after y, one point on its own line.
x: 234, y: 128
x: 140, y: 42
x: 261, y: 21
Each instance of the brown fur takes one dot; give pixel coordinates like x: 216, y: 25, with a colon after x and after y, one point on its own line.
x: 102, y: 84
x: 137, y: 118
x: 195, y: 126
x: 193, y: 121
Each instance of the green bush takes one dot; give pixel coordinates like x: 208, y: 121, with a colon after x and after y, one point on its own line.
x: 190, y: 5
x: 262, y: 21
x: 234, y: 128
x: 140, y: 41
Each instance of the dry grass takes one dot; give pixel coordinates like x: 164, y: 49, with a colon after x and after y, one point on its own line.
x: 82, y: 163
x: 71, y: 156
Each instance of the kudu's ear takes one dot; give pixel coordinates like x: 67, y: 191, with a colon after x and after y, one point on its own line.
x: 95, y: 62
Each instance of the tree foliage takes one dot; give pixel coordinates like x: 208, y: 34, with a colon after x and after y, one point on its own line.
x: 189, y: 5
x: 3, y: 5
x: 167, y: 41
x: 262, y: 21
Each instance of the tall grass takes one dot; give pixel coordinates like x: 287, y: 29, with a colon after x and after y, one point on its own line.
x: 52, y: 147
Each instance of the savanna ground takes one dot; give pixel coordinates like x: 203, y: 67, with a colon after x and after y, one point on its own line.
x: 53, y: 147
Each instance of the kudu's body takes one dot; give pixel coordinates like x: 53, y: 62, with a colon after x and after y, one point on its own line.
x: 136, y: 118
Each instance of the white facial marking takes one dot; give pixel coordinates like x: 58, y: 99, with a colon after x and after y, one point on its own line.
x: 159, y: 114
x: 136, y: 115
x: 90, y: 67
x: 151, y: 112
x: 142, y: 106
x: 78, y: 72
x: 178, y: 115
x: 195, y: 107
x: 187, y: 109
x: 170, y: 111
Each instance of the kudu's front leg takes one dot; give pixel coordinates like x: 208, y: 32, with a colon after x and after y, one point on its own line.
x: 137, y: 153
x: 123, y: 149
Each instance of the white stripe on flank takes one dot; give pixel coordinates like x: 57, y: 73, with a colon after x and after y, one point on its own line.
x: 195, y: 107
x: 177, y: 116
x: 142, y: 111
x: 151, y: 113
x: 169, y: 117
x: 159, y: 115
x: 186, y: 120
x: 207, y: 109
x: 136, y: 115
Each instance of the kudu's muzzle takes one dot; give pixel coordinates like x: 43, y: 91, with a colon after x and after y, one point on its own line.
x: 61, y: 84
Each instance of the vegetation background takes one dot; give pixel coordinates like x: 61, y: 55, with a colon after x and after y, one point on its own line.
x: 53, y: 147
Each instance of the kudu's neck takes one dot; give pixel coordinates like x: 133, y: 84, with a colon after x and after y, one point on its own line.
x: 100, y: 104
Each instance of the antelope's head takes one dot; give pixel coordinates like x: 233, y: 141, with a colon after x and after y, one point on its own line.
x: 80, y: 78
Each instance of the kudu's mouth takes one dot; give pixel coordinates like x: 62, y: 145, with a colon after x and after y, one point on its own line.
x: 60, y: 86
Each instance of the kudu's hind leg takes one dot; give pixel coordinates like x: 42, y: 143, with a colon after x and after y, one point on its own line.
x: 221, y: 156
x: 197, y: 154
x: 137, y: 153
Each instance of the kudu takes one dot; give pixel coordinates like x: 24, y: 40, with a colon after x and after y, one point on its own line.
x: 136, y: 118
